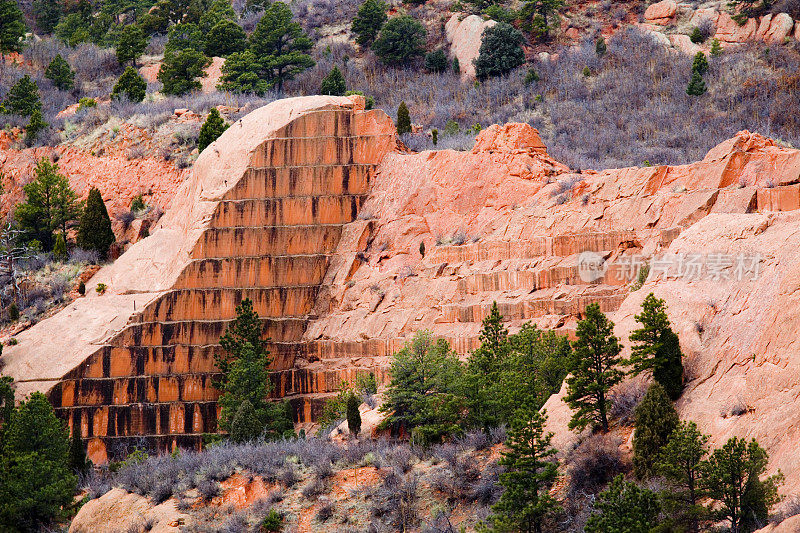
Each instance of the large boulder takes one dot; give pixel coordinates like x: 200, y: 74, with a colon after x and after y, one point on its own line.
x: 684, y: 44
x: 464, y: 37
x: 119, y: 510
x: 780, y: 28
x: 729, y: 31
x: 661, y: 12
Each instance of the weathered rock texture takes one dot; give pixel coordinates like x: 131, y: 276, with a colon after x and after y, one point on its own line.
x: 464, y: 36
x: 270, y: 213
x: 259, y: 218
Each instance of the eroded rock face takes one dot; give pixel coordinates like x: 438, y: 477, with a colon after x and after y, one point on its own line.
x: 661, y: 12
x: 464, y: 37
x: 259, y: 218
x: 118, y: 510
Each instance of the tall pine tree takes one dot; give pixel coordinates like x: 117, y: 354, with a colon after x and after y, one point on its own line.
x: 94, y: 231
x: 12, y: 27
x: 530, y: 472
x: 656, y: 347
x: 369, y: 20
x: 656, y: 419
x: 595, y: 356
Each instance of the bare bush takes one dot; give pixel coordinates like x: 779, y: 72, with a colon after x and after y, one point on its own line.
x: 625, y: 397
x: 595, y: 461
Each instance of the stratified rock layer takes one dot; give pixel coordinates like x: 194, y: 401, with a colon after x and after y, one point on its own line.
x: 259, y: 218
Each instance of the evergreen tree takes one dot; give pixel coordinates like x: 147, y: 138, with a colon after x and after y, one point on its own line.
x: 369, y: 20
x: 700, y: 63
x: 530, y: 472
x: 487, y: 408
x: 593, y: 368
x: 679, y: 462
x: 77, y: 453
x: 12, y: 27
x: 656, y: 347
x: 656, y: 419
x: 436, y: 61
x: 697, y: 36
x: 131, y: 44
x: 696, y: 87
x: 540, y: 17
x: 600, y: 46
x: 220, y: 10
x: 225, y: 38
x: 185, y: 36
x: 60, y: 73
x: 424, y: 396
x: 94, y: 231
x: 280, y: 46
x: 244, y: 367
x: 716, y: 48
x: 23, y: 97
x: 333, y: 84
x: 60, y: 248
x: 403, y: 119
x: 500, y: 51
x: 624, y: 507
x: 212, y: 128
x: 179, y: 71
x: 731, y: 476
x: 240, y: 74
x: 6, y: 402
x: 50, y: 205
x: 456, y: 67
x: 35, y: 481
x: 246, y: 424
x: 536, y: 368
x: 130, y: 85
x: 34, y: 127
x: 400, y: 41
x: 47, y: 14
x: 353, y: 415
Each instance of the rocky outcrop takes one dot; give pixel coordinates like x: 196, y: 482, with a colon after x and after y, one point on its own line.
x: 464, y: 36
x: 771, y: 29
x: 118, y: 510
x: 661, y: 12
x: 259, y: 218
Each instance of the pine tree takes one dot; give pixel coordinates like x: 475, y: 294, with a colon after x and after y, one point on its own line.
x: 224, y: 39
x: 436, y: 61
x: 77, y: 453
x: 47, y: 14
x: 23, y: 97
x: 540, y: 17
x: 425, y: 396
x: 280, y: 45
x: 179, y: 71
x: 241, y: 73
x: 369, y: 20
x: 34, y: 127
x: 656, y: 419
x: 212, y: 128
x: 700, y: 63
x: 60, y: 248
x: 696, y: 87
x: 456, y: 67
x: 600, y: 46
x: 50, y: 205
x: 220, y: 10
x: 657, y: 348
x: 130, y: 85
x: 6, y: 401
x: 353, y: 415
x: 403, y: 119
x: 246, y: 424
x: 593, y: 367
x: 131, y: 44
x: 94, y: 231
x: 12, y: 27
x: 697, y: 36
x: 530, y: 472
x: 487, y: 405
x: 624, y: 507
x: 185, y: 36
x: 679, y: 462
x: 731, y: 476
x: 716, y: 48
x: 35, y: 481
x: 500, y: 51
x: 60, y: 73
x: 400, y: 41
x: 333, y: 84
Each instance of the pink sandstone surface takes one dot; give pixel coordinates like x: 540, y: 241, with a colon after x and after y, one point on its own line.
x: 464, y: 36
x: 661, y: 12
x: 503, y: 222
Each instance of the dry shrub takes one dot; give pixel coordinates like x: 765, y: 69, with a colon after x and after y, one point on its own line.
x: 595, y: 461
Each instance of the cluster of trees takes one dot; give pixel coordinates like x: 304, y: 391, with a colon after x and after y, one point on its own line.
x: 51, y: 210
x: 433, y: 396
x: 38, y: 463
